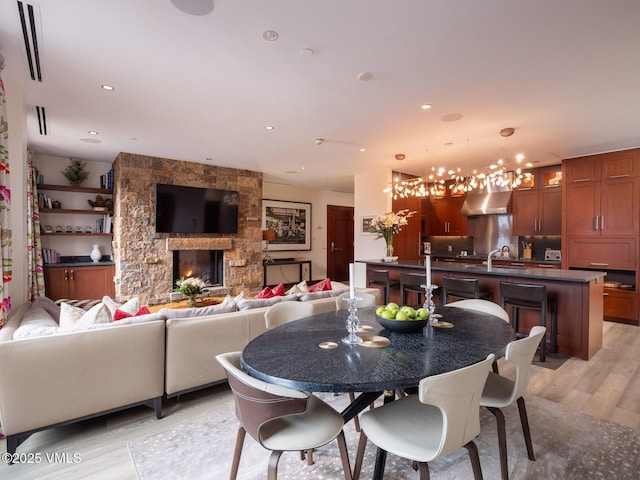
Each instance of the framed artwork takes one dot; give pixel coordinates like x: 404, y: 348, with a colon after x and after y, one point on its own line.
x: 291, y: 221
x: 365, y: 225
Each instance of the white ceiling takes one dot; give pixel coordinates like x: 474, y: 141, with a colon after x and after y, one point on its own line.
x: 565, y: 74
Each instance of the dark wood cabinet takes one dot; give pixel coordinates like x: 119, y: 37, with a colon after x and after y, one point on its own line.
x: 537, y: 205
x: 79, y: 283
x: 445, y: 217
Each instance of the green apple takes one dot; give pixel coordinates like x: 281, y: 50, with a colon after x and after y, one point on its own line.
x: 422, y: 313
x: 387, y: 314
x: 391, y: 306
x: 408, y: 311
x: 380, y: 309
x: 401, y: 315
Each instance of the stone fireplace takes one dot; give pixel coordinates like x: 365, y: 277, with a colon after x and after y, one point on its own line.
x: 205, y: 264
x: 144, y: 259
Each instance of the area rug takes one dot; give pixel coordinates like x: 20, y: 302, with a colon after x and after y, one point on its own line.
x: 568, y: 445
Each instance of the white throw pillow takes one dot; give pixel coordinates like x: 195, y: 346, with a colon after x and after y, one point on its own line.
x: 131, y: 306
x: 73, y: 317
x: 301, y: 287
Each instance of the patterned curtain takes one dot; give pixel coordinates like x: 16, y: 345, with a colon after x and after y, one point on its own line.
x: 35, y: 271
x: 5, y: 202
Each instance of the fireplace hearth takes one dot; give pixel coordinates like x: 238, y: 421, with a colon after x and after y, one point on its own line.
x: 205, y: 264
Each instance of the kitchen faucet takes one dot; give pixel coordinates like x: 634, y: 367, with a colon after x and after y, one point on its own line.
x: 489, y: 258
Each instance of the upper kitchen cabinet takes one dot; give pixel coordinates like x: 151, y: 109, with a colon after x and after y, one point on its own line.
x: 445, y: 217
x: 537, y: 203
x: 603, y: 194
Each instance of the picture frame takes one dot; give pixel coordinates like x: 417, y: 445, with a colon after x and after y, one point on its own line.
x: 365, y: 225
x: 292, y: 223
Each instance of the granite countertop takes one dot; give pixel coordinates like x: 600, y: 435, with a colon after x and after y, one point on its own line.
x: 555, y: 274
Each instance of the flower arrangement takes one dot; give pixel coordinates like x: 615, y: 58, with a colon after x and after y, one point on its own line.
x: 191, y: 287
x: 387, y: 225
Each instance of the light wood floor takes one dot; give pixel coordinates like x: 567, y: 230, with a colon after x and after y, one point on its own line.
x: 608, y: 386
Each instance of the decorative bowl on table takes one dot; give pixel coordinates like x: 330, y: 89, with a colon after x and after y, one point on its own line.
x: 402, y: 319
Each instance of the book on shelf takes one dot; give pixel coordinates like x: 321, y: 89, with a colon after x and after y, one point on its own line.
x: 49, y: 255
x: 104, y: 224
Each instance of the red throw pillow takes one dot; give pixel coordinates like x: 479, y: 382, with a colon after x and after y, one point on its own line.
x: 322, y: 286
x: 265, y: 293
x: 278, y: 291
x: 121, y: 314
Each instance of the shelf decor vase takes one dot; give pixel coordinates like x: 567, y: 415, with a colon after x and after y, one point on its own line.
x: 96, y: 254
x: 388, y: 238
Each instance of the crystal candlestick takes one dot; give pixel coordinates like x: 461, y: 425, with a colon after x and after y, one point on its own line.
x: 428, y: 300
x: 352, y: 321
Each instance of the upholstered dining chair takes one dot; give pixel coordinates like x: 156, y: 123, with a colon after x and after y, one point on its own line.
x: 444, y: 416
x: 279, y: 418
x: 500, y: 392
x: 484, y: 306
x: 288, y: 311
x: 366, y: 300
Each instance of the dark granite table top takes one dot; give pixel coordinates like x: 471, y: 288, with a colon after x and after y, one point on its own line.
x: 290, y: 355
x: 549, y: 274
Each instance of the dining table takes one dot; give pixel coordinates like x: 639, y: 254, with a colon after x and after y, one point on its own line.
x: 310, y: 354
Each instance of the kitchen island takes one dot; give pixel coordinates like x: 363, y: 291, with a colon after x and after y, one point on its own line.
x: 579, y: 294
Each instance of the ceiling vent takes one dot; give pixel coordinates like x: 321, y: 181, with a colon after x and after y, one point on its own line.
x: 42, y: 120
x: 28, y: 23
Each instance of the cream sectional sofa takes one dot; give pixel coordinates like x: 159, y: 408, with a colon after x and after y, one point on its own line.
x: 63, y: 376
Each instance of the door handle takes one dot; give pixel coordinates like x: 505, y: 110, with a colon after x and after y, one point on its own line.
x: 596, y: 223
x: 333, y: 247
x: 602, y: 223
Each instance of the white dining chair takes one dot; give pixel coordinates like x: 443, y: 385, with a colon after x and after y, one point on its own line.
x: 288, y: 311
x: 279, y: 418
x: 500, y: 392
x: 444, y: 416
x: 366, y: 300
x: 480, y: 305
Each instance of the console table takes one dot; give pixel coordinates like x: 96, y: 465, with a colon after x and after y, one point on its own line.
x: 276, y: 262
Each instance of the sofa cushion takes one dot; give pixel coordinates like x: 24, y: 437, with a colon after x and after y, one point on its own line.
x: 72, y: 317
x: 228, y: 305
x: 121, y: 314
x: 265, y: 293
x: 305, y: 297
x: 36, y: 322
x: 49, y: 305
x: 278, y: 290
x: 247, y: 304
x: 298, y: 288
x: 322, y: 286
x: 130, y: 306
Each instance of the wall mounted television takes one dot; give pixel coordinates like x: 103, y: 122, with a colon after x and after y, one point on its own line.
x: 181, y: 209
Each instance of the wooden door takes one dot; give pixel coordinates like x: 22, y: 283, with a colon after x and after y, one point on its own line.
x: 406, y: 244
x: 440, y: 216
x: 339, y: 242
x: 457, y: 221
x: 583, y: 169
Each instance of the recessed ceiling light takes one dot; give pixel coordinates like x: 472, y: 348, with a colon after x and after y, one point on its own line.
x: 448, y: 144
x: 426, y: 106
x: 269, y: 127
x: 109, y: 88
x: 90, y: 140
x: 307, y: 52
x: 365, y: 76
x: 363, y: 149
x: 93, y: 132
x: 303, y: 168
x: 209, y: 159
x: 270, y: 35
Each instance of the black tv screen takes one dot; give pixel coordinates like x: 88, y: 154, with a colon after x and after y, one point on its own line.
x: 182, y: 209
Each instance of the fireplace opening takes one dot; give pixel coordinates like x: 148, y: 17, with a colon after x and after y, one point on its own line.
x: 205, y: 264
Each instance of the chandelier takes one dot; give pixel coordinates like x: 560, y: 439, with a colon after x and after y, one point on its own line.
x: 499, y: 175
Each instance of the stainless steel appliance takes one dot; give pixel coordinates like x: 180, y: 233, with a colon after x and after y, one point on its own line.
x: 552, y: 255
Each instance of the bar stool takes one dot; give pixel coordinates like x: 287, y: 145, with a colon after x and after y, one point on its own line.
x: 380, y: 279
x: 462, y: 288
x: 411, y: 282
x: 532, y: 297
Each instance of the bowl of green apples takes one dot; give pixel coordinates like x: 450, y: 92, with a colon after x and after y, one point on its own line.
x: 403, y: 319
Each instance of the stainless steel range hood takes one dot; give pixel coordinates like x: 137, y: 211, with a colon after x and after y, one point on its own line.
x: 490, y: 203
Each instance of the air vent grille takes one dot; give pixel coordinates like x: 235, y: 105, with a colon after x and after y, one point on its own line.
x: 28, y: 23
x: 42, y: 120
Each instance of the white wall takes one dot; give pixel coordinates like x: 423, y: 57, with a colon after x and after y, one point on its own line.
x: 370, y: 200
x: 319, y: 200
